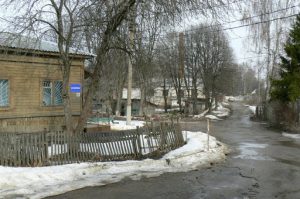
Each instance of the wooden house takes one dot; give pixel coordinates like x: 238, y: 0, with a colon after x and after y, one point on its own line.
x: 31, y: 86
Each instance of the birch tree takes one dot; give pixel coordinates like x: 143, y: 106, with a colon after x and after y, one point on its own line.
x: 268, y: 21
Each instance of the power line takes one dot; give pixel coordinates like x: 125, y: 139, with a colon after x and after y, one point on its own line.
x: 208, y: 7
x: 240, y: 26
x: 239, y: 20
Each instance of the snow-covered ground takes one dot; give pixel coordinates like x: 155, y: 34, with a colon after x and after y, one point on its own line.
x: 45, y: 181
x: 121, y: 125
x: 217, y: 114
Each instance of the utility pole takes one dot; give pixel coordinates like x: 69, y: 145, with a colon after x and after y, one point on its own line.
x: 181, y: 67
x: 131, y: 27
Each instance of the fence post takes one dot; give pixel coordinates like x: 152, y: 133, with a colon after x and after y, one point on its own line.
x: 45, y: 144
x: 139, y: 147
x: 163, y: 136
x: 207, y: 134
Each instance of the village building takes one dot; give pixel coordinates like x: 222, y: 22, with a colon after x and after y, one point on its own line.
x: 156, y: 102
x: 31, y: 85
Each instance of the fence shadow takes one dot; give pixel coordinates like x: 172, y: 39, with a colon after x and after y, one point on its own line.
x: 57, y: 148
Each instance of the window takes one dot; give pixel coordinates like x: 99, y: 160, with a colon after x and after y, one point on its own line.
x: 52, y: 93
x: 4, y: 92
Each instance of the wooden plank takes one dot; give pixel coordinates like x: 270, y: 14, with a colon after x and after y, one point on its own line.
x: 139, y: 146
x: 95, y: 152
x: 101, y: 144
x: 1, y: 149
x: 113, y: 147
x: 22, y: 151
x: 76, y: 150
x: 86, y: 146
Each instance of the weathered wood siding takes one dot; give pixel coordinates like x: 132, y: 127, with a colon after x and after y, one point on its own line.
x: 25, y: 75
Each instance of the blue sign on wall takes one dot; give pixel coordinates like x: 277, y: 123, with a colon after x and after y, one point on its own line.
x: 75, y: 88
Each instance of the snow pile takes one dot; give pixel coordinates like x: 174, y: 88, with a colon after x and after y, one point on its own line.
x: 221, y: 111
x: 234, y: 98
x: 201, y: 115
x: 121, y: 125
x: 212, y: 117
x: 293, y: 136
x: 225, y: 104
x: 46, y: 181
x: 252, y: 108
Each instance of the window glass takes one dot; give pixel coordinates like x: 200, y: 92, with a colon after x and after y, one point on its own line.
x: 52, y: 93
x: 4, y: 92
x: 58, y: 93
x: 47, y: 93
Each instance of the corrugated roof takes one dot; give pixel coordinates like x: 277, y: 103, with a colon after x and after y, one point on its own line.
x: 14, y: 41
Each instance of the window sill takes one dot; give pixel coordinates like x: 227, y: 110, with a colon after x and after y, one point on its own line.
x: 4, y: 108
x: 53, y: 106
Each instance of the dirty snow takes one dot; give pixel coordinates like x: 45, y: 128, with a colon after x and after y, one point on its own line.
x: 212, y: 117
x: 201, y: 114
x: 234, y: 98
x: 252, y: 108
x: 293, y: 136
x: 220, y: 112
x: 45, y: 181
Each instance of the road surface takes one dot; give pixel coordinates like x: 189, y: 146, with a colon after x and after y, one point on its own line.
x: 263, y: 164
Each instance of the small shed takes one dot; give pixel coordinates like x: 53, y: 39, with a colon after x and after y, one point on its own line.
x: 31, y: 86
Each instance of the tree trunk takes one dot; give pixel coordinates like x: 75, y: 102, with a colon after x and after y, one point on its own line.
x: 194, y: 97
x: 165, y: 95
x: 101, y: 53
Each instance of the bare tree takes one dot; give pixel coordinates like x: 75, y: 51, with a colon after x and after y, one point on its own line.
x: 77, y: 23
x: 267, y: 33
x: 210, y: 53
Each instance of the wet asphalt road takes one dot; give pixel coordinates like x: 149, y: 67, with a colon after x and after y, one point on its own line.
x: 263, y: 164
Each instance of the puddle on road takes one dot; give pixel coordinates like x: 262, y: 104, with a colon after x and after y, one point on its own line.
x: 248, y: 151
x: 290, y: 162
x: 246, y: 121
x: 288, y: 143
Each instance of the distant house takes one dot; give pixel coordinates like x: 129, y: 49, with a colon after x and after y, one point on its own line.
x: 158, y: 97
x: 31, y: 86
x: 149, y: 108
x: 156, y: 101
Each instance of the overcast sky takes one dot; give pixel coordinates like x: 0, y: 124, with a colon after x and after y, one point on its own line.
x: 239, y: 37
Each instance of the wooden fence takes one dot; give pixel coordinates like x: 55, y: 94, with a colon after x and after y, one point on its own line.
x: 56, y: 148
x: 260, y: 112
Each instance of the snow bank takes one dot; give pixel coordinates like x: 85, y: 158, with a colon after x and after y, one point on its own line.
x: 293, y: 136
x: 212, y: 117
x: 201, y: 115
x: 220, y: 112
x: 45, y: 181
x: 234, y: 98
x: 252, y: 108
